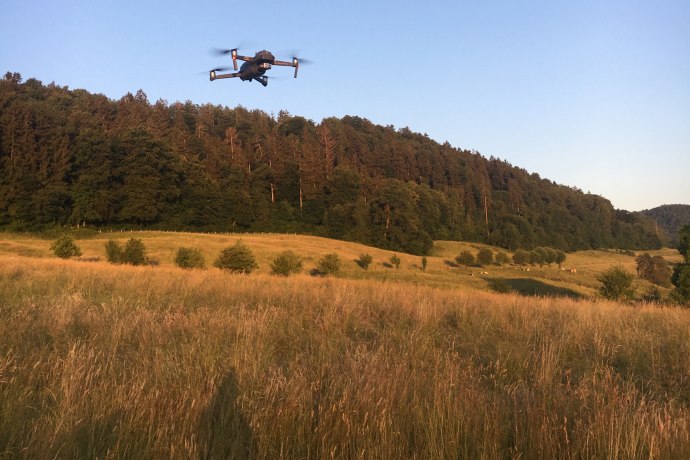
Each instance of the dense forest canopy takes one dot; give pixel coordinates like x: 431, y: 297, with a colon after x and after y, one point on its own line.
x: 69, y: 157
x: 671, y: 218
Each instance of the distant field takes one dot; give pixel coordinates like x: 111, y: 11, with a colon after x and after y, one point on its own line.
x: 441, y: 270
x: 105, y: 361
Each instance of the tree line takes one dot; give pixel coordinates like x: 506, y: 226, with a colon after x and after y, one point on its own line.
x: 69, y: 157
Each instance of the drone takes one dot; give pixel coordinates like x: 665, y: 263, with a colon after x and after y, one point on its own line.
x: 253, y: 68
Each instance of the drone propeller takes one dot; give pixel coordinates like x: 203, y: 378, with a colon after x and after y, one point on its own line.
x: 220, y: 52
x: 302, y: 61
x: 220, y: 69
x: 295, y: 55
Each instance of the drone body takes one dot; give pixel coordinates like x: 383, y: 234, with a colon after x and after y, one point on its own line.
x: 253, y: 68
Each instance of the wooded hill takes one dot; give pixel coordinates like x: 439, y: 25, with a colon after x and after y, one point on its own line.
x: 69, y: 157
x: 671, y: 218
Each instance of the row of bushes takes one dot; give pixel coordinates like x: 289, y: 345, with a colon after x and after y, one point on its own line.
x: 237, y: 258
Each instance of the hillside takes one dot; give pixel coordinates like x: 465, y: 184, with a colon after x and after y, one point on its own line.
x: 106, y: 361
x: 671, y: 218
x: 441, y: 272
x: 74, y: 158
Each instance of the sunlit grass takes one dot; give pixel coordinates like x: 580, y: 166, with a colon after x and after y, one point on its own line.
x: 99, y: 361
x: 442, y: 272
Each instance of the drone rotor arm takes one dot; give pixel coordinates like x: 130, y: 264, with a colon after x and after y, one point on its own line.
x: 294, y: 63
x: 215, y: 76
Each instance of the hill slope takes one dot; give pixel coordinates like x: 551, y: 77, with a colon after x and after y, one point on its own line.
x: 73, y: 157
x: 442, y: 271
x: 671, y: 218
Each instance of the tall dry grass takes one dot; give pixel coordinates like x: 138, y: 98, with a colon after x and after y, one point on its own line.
x: 100, y: 361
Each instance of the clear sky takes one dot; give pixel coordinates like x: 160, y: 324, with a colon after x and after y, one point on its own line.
x: 591, y: 94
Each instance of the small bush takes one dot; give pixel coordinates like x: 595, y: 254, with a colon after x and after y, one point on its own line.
x: 522, y: 257
x: 424, y: 262
x: 237, y: 259
x: 395, y: 260
x: 465, y: 258
x: 616, y: 284
x: 485, y: 256
x: 502, y: 258
x: 190, y: 258
x: 364, y: 261
x: 65, y: 247
x: 329, y: 264
x: 113, y: 252
x: 286, y: 263
x: 134, y: 252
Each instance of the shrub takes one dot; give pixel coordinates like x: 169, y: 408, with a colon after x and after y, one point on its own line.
x: 522, y: 257
x: 113, y: 252
x: 364, y: 261
x: 190, y: 258
x: 654, y: 269
x: 329, y: 264
x: 485, y: 256
x: 560, y: 258
x: 502, y: 258
x: 395, y: 260
x: 616, y: 284
x: 65, y: 247
x: 681, y: 281
x: 424, y: 262
x: 539, y: 256
x: 237, y: 259
x: 550, y: 256
x: 286, y: 263
x: 134, y: 252
x: 465, y: 258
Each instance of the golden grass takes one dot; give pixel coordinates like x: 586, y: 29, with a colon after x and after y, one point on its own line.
x: 441, y: 271
x: 103, y: 361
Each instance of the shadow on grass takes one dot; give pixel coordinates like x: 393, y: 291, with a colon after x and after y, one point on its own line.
x: 225, y: 432
x: 531, y: 287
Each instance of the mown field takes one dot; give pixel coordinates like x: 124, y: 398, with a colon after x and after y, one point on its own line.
x: 107, y: 361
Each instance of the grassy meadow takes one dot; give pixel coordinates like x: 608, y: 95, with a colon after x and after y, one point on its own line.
x: 112, y: 361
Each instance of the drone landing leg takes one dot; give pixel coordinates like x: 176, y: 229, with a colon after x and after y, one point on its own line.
x: 262, y: 80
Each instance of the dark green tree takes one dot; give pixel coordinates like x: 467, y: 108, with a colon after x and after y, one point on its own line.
x: 465, y: 258
x: 654, y: 269
x: 395, y: 260
x: 616, y: 284
x: 286, y: 263
x: 364, y: 261
x: 681, y: 274
x: 134, y: 252
x: 65, y: 247
x: 113, y: 252
x: 502, y: 258
x: 190, y: 258
x: 329, y: 264
x: 560, y: 258
x: 485, y: 256
x: 237, y: 258
x: 522, y: 257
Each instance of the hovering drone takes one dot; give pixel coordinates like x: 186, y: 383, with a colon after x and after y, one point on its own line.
x: 253, y: 67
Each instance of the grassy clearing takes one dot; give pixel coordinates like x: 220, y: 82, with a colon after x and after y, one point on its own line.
x: 441, y: 272
x: 107, y: 361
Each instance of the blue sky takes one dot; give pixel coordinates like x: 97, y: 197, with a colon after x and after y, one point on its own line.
x: 591, y: 94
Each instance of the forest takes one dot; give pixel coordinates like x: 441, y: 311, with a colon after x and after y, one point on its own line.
x: 70, y: 158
